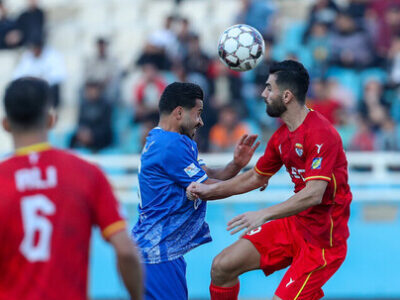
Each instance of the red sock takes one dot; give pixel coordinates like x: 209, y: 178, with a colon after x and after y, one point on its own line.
x: 224, y: 293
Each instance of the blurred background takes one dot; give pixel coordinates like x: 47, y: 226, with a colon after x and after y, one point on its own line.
x: 108, y: 61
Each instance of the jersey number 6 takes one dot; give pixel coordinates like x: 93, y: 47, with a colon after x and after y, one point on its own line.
x: 33, y: 222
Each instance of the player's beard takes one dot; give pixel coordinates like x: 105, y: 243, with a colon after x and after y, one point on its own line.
x: 276, y: 108
x: 188, y: 129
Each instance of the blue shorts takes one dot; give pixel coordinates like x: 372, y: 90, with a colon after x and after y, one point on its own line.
x: 166, y: 280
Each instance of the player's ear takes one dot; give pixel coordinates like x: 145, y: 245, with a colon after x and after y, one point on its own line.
x: 51, y: 118
x: 6, y: 124
x: 178, y: 112
x: 287, y: 96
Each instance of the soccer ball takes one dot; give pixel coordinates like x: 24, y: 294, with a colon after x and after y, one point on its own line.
x: 241, y: 47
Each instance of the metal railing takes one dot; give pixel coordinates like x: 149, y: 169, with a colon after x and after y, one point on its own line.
x: 373, y: 176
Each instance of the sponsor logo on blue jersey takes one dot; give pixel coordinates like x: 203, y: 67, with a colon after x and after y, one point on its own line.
x: 191, y: 170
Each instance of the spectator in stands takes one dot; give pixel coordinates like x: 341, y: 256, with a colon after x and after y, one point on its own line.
x: 31, y: 23
x: 318, y: 44
x: 387, y: 137
x: 373, y: 106
x: 147, y: 93
x: 196, y: 60
x: 357, y: 9
x: 167, y: 38
x: 105, y: 70
x: 154, y: 53
x: 394, y: 62
x: 7, y: 26
x: 227, y: 132
x: 257, y: 13
x: 184, y: 34
x: 43, y: 62
x: 350, y: 45
x: 341, y: 94
x: 262, y: 70
x: 227, y: 84
x: 387, y: 16
x: 329, y: 108
x: 323, y: 11
x: 94, y: 124
x: 364, y: 138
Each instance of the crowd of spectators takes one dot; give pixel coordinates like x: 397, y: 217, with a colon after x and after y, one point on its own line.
x: 352, y: 52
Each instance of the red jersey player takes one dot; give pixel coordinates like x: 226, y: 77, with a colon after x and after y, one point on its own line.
x: 307, y: 232
x: 49, y: 201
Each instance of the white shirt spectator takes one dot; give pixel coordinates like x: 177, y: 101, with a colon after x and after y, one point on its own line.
x: 49, y: 65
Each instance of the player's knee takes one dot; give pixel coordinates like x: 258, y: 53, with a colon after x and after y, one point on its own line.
x: 222, y: 268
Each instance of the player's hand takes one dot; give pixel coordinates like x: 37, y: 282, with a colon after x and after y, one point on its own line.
x: 244, y: 150
x: 263, y: 187
x: 197, y: 190
x: 247, y: 221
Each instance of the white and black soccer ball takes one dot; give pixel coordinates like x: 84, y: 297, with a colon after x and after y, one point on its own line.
x: 241, y: 47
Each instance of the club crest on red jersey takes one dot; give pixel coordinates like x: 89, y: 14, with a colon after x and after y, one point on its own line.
x: 299, y: 149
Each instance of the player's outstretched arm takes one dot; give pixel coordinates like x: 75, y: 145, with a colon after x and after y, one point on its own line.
x: 309, y: 196
x: 240, y: 184
x: 244, y: 151
x: 128, y: 264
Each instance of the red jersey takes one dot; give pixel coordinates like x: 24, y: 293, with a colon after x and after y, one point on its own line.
x: 313, y: 151
x: 49, y: 201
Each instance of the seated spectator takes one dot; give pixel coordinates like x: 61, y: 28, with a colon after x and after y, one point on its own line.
x: 318, y: 44
x: 394, y: 62
x: 357, y: 9
x: 147, y: 93
x: 227, y: 132
x: 387, y: 17
x: 43, y: 62
x: 364, y: 138
x: 7, y: 25
x: 183, y: 35
x: 167, y: 38
x: 340, y: 93
x: 104, y: 69
x: 350, y: 46
x: 257, y: 13
x: 196, y: 60
x: 373, y: 106
x: 387, y: 138
x: 94, y: 123
x: 329, y: 108
x: 323, y: 11
x: 31, y: 23
x: 154, y: 53
x: 227, y: 84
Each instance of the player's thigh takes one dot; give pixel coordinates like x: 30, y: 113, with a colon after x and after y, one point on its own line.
x: 237, y: 259
x: 305, y: 278
x: 165, y: 281
x: 273, y: 242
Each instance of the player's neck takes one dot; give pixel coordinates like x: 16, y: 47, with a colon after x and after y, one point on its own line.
x: 293, y: 118
x: 167, y: 125
x: 27, y: 139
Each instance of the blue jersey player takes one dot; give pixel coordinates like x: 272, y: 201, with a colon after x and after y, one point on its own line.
x: 169, y: 223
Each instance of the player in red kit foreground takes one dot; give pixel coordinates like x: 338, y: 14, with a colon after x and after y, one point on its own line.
x: 308, y: 231
x: 49, y: 201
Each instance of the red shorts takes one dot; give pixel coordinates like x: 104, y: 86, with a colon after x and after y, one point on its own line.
x: 280, y: 246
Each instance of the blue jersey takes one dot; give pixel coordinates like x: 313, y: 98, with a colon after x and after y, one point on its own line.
x: 169, y: 223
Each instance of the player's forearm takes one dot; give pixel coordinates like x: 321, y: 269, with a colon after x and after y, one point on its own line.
x: 131, y: 272
x: 229, y: 171
x: 240, y: 184
x: 294, y: 205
